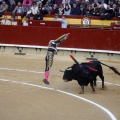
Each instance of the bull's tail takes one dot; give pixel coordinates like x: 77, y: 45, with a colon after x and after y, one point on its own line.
x: 112, y: 68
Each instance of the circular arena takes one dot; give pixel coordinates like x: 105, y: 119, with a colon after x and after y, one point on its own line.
x: 24, y: 96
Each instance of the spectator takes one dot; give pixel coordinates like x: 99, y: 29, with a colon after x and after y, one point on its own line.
x: 51, y: 2
x: 61, y: 9
x: 1, y: 2
x: 118, y: 13
x: 118, y: 4
x: 31, y: 13
x: 110, y: 2
x: 58, y: 2
x: 72, y: 2
x: 27, y: 3
x: 118, y: 8
x: 43, y: 9
x: 25, y: 23
x: 63, y: 22
x: 55, y: 9
x: 16, y: 1
x: 82, y: 10
x: 99, y: 1
x: 40, y: 7
x: 65, y: 1
x: 74, y: 10
x: 115, y: 10
x: 95, y: 2
x: 47, y: 8
x: 18, y: 9
x: 104, y: 4
x: 78, y: 3
x: 12, y: 21
x: 56, y: 18
x: 26, y: 8
x: 109, y: 12
x: 36, y: 1
x: 12, y: 6
x: 89, y: 11
x: 3, y: 8
x: 38, y: 16
x: 5, y: 21
x: 96, y: 10
x: 67, y: 10
x: 102, y: 12
x: 86, y: 4
x: 43, y: 2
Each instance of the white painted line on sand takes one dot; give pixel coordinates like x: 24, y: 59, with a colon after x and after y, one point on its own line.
x: 18, y: 70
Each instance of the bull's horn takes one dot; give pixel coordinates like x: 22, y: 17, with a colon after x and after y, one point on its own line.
x: 69, y: 68
x: 62, y: 71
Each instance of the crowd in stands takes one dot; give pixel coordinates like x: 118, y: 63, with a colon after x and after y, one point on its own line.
x: 36, y: 9
x: 6, y: 21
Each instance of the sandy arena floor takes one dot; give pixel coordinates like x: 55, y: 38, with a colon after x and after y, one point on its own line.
x: 24, y: 96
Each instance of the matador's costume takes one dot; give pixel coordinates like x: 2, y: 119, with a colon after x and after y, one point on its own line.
x: 52, y: 50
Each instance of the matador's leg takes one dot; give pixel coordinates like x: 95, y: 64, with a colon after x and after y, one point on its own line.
x: 49, y: 62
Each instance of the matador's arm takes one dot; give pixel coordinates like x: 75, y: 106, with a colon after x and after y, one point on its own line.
x: 61, y: 38
x: 54, y: 43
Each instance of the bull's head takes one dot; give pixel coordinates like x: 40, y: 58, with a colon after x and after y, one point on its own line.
x: 72, y: 73
x: 68, y: 74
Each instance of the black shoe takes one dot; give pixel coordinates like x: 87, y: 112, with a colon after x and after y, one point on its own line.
x: 45, y: 81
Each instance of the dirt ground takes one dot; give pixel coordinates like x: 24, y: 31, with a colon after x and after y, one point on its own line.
x: 24, y: 96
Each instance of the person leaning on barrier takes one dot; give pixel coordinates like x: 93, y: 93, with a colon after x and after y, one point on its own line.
x: 56, y: 17
x: 5, y: 21
x: 63, y: 22
x: 25, y: 23
x: 13, y: 22
x: 52, y: 50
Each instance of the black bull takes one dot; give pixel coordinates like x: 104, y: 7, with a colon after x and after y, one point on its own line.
x: 86, y: 73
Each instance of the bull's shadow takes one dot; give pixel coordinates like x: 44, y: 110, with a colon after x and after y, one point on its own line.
x: 86, y: 73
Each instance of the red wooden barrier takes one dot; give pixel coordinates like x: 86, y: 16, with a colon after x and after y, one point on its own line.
x: 79, y: 38
x: 43, y: 23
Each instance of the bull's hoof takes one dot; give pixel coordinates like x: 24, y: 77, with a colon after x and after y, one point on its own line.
x: 81, y: 92
x: 93, y: 91
x: 95, y: 86
x: 105, y: 87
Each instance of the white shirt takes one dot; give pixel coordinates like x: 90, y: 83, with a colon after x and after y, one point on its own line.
x: 63, y: 23
x: 5, y: 22
x: 25, y: 23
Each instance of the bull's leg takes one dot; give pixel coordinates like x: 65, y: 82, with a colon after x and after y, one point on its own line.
x: 92, y: 86
x: 102, y: 78
x: 82, y: 88
x: 94, y: 81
